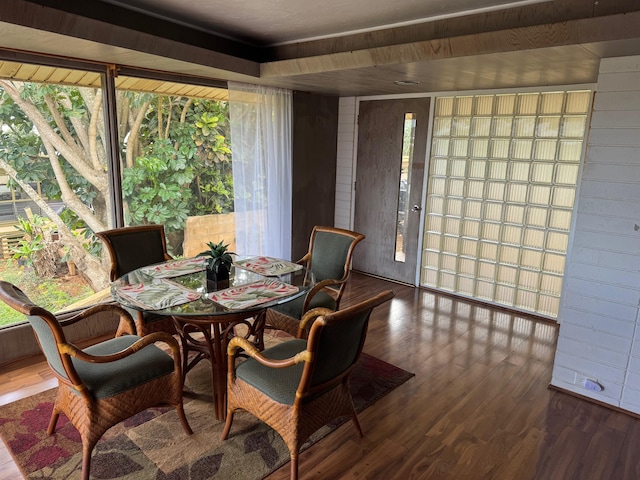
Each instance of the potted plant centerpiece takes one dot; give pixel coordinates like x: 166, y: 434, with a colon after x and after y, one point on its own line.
x: 219, y: 261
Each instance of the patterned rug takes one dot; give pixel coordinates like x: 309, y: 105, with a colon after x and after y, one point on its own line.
x: 152, y: 444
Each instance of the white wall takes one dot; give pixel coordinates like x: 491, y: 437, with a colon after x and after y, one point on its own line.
x: 344, y: 173
x: 599, y: 338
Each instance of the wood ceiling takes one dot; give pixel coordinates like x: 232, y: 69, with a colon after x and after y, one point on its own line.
x: 552, y: 43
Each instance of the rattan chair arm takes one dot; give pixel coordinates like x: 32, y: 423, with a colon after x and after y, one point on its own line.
x: 305, y: 259
x: 317, y: 287
x: 73, y: 351
x: 70, y: 318
x: 238, y: 342
x: 309, y: 317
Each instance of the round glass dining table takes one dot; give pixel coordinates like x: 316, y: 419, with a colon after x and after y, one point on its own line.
x: 207, y: 314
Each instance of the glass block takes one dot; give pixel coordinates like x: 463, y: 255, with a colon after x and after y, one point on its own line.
x: 467, y: 266
x: 569, y: 151
x: 553, y: 262
x: 537, y: 217
x: 453, y: 207
x: 509, y: 255
x: 437, y: 186
x: 457, y: 167
x: 507, y: 275
x: 477, y: 168
x: 486, y: 271
x: 497, y: 170
x: 511, y: 235
x: 442, y: 127
x: 505, y: 104
x: 479, y: 148
x: 455, y: 187
x: 440, y: 147
x: 463, y: 106
x: 548, y: 127
x: 499, y: 148
x: 514, y: 214
x: 578, y: 102
x: 567, y: 174
x: 432, y: 241
x: 488, y: 251
x: 560, y: 219
x: 505, y: 295
x: 448, y: 262
x: 548, y: 305
x: 430, y: 259
x: 483, y: 105
x: 444, y: 106
x: 519, y: 171
x: 429, y: 278
x: 557, y: 242
x: 527, y: 104
x: 542, y: 172
x: 447, y: 281
x: 458, y: 147
x: 472, y: 209
x: 563, y: 197
x: 492, y: 212
x: 480, y: 127
x: 452, y: 226
x: 531, y: 259
x: 573, y: 127
x: 466, y: 286
x: 529, y: 280
x: 540, y: 195
x: 435, y: 204
x: 533, y: 238
x: 484, y: 290
x: 502, y: 126
x: 433, y: 223
x: 468, y: 247
x: 524, y: 126
x: 521, y: 149
x: 438, y: 166
x: 551, y: 284
x: 475, y: 189
x: 526, y: 300
x: 551, y: 102
x: 495, y: 191
x: 517, y: 192
x: 460, y: 126
x: 491, y: 232
x: 544, y: 149
x: 471, y: 229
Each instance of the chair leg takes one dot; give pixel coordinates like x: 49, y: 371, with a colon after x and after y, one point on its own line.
x: 54, y: 420
x: 87, y: 448
x: 227, y: 424
x: 183, y: 419
x: 294, y: 466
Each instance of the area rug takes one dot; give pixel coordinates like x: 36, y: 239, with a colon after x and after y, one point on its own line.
x: 152, y: 444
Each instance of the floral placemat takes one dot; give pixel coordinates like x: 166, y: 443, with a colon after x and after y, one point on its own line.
x: 176, y: 268
x: 238, y: 298
x: 157, y: 295
x: 267, y: 266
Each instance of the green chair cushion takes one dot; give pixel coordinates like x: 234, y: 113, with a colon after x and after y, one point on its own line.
x: 280, y: 384
x: 107, y: 379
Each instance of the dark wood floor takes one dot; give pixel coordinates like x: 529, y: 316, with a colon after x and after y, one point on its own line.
x: 478, y: 407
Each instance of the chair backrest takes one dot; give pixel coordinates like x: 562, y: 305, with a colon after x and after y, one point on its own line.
x: 335, y: 343
x: 134, y: 247
x: 44, y: 323
x: 330, y: 252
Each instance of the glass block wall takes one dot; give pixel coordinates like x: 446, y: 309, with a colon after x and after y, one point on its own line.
x: 502, y: 181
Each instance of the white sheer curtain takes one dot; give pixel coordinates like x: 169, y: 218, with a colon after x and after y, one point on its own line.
x: 260, y: 120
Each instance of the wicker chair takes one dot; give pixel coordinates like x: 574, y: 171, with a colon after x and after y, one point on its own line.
x: 106, y: 383
x: 329, y: 258
x: 299, y: 385
x: 135, y: 247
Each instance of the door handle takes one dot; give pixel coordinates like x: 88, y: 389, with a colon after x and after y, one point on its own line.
x: 416, y: 208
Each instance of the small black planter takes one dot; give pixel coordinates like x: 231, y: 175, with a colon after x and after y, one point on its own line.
x: 217, y: 279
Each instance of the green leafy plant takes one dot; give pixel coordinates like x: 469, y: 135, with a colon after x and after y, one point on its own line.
x: 218, y: 255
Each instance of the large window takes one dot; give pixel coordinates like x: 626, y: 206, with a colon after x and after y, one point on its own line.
x: 502, y: 181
